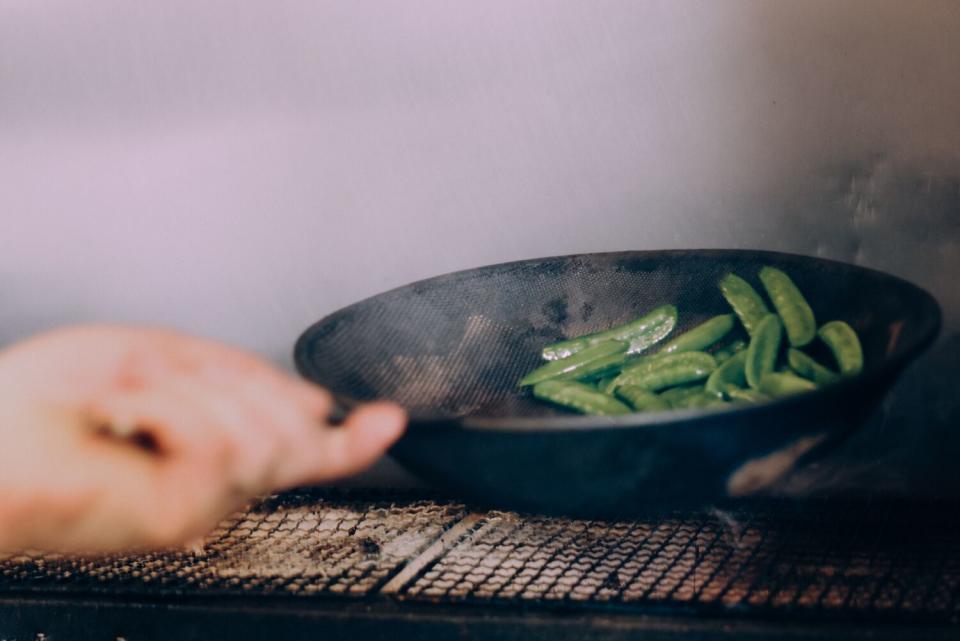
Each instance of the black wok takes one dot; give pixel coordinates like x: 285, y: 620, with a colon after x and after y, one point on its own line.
x: 451, y: 349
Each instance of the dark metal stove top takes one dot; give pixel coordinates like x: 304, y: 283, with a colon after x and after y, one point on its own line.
x: 372, y: 561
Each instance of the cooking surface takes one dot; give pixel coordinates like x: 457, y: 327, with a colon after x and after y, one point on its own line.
x: 768, y: 561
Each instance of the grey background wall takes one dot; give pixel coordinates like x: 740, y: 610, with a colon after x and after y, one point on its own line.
x: 239, y: 169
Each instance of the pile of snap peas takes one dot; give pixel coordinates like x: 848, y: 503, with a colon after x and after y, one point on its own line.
x: 629, y: 369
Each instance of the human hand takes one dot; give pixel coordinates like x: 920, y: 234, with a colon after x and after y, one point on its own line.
x: 125, y: 438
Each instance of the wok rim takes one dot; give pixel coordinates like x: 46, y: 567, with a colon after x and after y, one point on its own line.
x: 886, y: 369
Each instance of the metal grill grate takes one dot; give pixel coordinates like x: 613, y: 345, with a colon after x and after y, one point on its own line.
x: 846, y: 561
x: 295, y: 544
x: 903, y: 561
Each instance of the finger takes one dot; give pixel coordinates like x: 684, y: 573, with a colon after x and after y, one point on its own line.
x: 267, y: 386
x: 246, y: 427
x: 333, y: 453
x: 271, y: 416
x: 314, y: 399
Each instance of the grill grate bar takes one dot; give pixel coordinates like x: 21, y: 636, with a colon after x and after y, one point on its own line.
x: 743, y: 552
x: 693, y: 544
x: 688, y: 588
x: 614, y: 547
x: 576, y: 574
x: 776, y: 558
x: 509, y: 571
x: 612, y: 584
x: 653, y: 539
x: 429, y: 556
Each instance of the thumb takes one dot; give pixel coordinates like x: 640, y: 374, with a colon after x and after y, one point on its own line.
x: 335, y: 452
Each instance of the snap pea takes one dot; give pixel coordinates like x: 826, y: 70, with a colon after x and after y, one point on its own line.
x: 795, y: 312
x: 640, y: 334
x: 744, y: 300
x: 762, y: 352
x: 700, y: 400
x: 731, y: 372
x: 641, y: 399
x: 700, y: 337
x: 601, y: 368
x: 805, y: 366
x: 669, y: 370
x: 580, y: 397
x: 591, y: 360
x: 604, y: 384
x: 843, y: 342
x: 735, y: 393
x: 728, y: 351
x: 776, y: 384
x: 677, y: 395
x: 645, y: 362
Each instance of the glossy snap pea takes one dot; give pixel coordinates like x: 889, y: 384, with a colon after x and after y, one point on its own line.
x: 728, y: 351
x: 731, y: 372
x: 636, y: 363
x: 669, y: 370
x: 744, y: 300
x: 584, y: 363
x: 580, y: 397
x: 700, y: 337
x: 735, y: 393
x: 793, y: 308
x: 776, y: 384
x: 641, y: 399
x: 601, y: 368
x: 763, y: 349
x: 805, y: 366
x: 843, y: 342
x: 640, y: 334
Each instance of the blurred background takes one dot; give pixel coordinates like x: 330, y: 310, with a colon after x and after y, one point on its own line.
x: 240, y: 169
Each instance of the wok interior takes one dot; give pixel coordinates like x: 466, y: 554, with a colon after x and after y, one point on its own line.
x: 456, y: 345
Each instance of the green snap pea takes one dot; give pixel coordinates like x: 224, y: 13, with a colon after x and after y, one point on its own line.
x: 731, y: 372
x: 764, y: 347
x: 669, y: 370
x: 677, y: 395
x: 843, y: 342
x: 776, y: 384
x: 601, y: 368
x: 700, y: 400
x: 744, y: 300
x: 793, y: 308
x: 580, y: 397
x: 735, y: 393
x: 729, y: 351
x: 604, y: 384
x: 592, y: 360
x: 641, y: 333
x: 645, y: 361
x: 702, y: 336
x: 805, y: 366
x: 641, y: 399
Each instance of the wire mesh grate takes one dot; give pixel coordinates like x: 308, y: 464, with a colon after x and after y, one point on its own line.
x: 764, y: 558
x: 295, y: 544
x: 829, y: 560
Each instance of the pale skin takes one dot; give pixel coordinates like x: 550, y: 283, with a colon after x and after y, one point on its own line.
x: 121, y: 438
